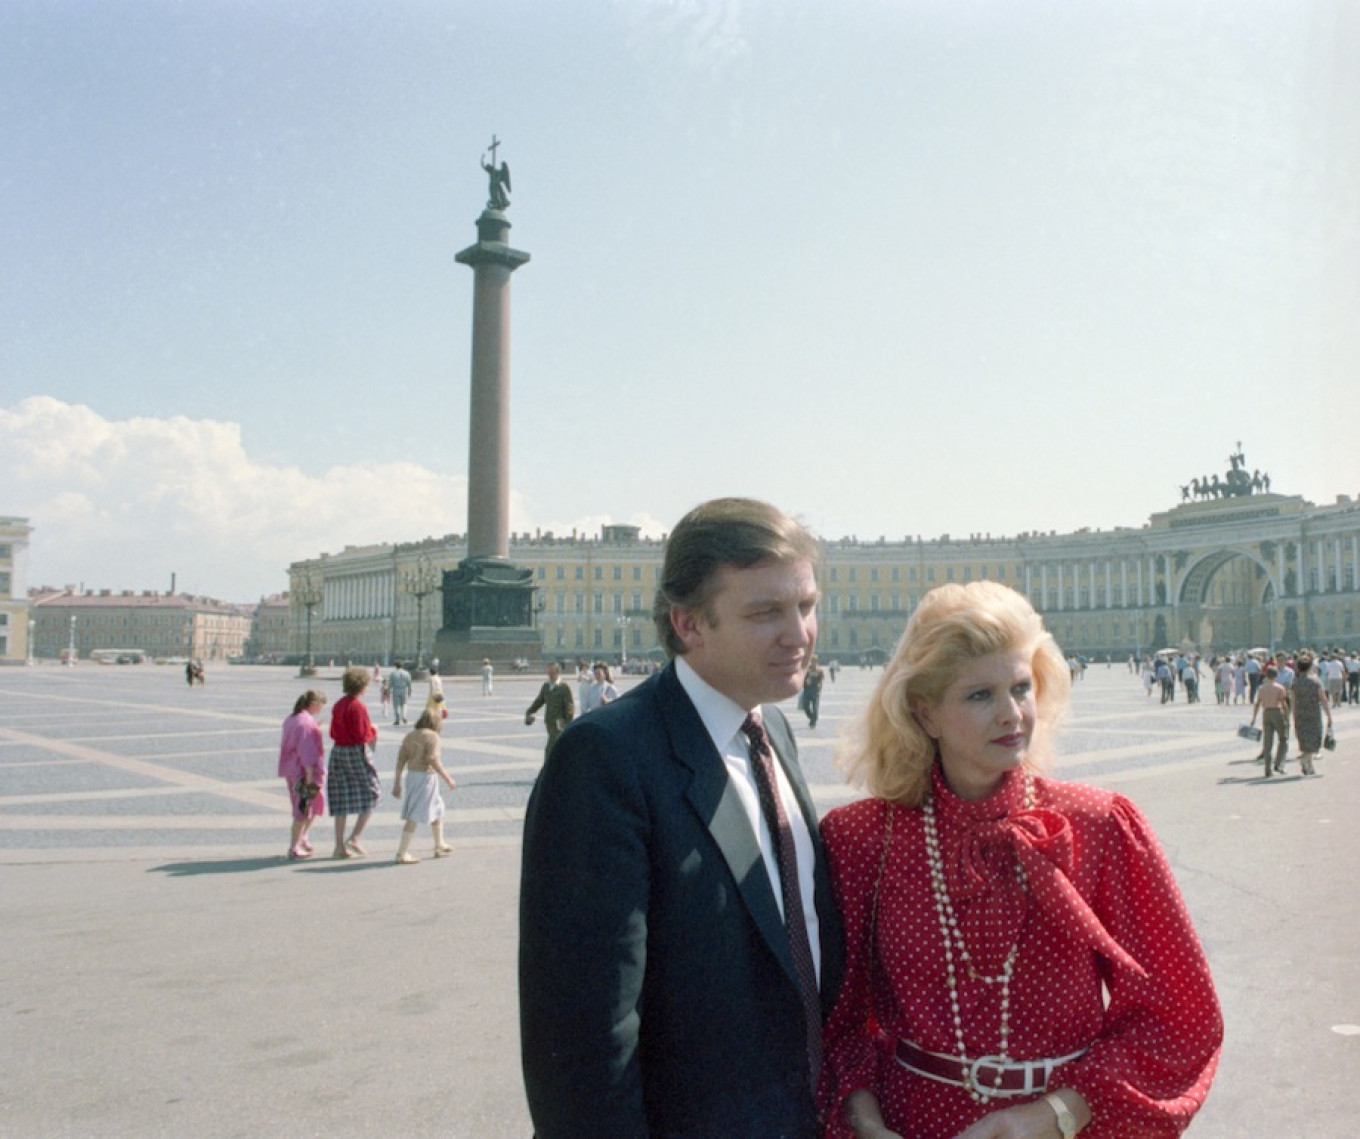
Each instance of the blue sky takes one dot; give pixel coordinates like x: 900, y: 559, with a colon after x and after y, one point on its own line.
x: 899, y: 267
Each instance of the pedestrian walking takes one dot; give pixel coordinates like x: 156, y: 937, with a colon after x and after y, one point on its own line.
x: 353, y: 788
x: 419, y: 760
x: 559, y: 709
x: 399, y: 685
x: 812, y: 692
x: 434, y: 698
x: 1272, y: 701
x: 302, y: 764
x: 1311, y: 704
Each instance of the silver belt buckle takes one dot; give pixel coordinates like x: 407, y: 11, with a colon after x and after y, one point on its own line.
x: 972, y: 1082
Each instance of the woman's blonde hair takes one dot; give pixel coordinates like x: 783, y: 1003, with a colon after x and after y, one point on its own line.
x: 888, y: 753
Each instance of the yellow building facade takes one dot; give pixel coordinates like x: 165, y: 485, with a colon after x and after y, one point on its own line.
x: 1261, y: 570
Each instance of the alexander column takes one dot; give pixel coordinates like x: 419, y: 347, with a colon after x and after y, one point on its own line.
x: 488, y: 602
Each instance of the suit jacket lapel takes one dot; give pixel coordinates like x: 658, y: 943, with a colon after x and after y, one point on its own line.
x: 719, y: 808
x: 784, y: 749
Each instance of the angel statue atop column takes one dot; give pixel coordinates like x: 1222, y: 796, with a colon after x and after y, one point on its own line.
x: 498, y: 179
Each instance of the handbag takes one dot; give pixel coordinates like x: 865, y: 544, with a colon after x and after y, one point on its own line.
x: 1249, y: 732
x: 1329, y: 740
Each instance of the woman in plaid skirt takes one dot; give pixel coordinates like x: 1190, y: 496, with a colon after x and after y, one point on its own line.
x: 353, y: 786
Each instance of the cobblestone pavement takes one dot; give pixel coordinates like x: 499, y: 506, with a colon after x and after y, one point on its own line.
x: 165, y: 971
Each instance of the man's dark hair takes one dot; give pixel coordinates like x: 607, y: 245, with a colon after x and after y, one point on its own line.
x: 735, y: 533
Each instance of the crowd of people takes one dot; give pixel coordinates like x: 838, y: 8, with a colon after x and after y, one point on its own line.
x: 1236, y: 677
x: 1301, y: 687
x: 347, y: 783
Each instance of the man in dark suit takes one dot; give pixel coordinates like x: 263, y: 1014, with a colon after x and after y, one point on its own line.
x: 675, y: 913
x: 558, y: 706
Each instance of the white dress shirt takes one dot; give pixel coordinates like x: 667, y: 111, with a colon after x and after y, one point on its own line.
x: 723, y: 717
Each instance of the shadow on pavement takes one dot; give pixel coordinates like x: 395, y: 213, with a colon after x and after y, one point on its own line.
x: 246, y: 865
x: 219, y: 866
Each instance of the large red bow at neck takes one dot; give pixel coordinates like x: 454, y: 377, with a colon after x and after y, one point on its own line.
x: 1042, y: 842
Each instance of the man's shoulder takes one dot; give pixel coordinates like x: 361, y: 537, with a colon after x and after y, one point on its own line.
x: 630, y: 729
x: 656, y: 701
x: 645, y: 700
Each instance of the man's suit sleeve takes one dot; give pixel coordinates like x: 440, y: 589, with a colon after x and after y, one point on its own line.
x: 583, y: 933
x: 539, y: 701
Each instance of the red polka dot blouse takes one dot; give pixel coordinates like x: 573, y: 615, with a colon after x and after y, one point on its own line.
x: 1106, y: 959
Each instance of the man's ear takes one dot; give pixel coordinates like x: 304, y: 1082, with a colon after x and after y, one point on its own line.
x: 689, y: 625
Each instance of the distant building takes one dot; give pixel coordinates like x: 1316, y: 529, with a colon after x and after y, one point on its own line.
x: 269, y: 629
x: 14, y: 534
x: 1259, y: 569
x: 159, y: 625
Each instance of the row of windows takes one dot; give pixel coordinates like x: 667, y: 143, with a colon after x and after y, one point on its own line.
x: 895, y: 573
x: 579, y: 573
x: 851, y: 603
x: 123, y: 621
x: 576, y: 602
x: 597, y: 639
x: 876, y: 574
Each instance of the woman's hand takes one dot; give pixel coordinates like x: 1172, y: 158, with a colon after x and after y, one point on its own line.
x: 865, y: 1116
x: 1028, y: 1121
x: 1036, y: 1120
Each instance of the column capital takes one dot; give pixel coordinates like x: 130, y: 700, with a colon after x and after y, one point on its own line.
x: 491, y: 247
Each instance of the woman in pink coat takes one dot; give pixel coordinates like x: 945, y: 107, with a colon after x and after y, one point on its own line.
x: 302, y: 764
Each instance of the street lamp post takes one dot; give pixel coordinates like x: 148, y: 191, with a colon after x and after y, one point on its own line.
x: 32, y: 630
x: 419, y: 582
x: 622, y: 623
x: 309, y: 596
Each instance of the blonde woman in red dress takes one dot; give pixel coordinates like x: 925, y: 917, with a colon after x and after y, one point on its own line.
x: 1019, y: 961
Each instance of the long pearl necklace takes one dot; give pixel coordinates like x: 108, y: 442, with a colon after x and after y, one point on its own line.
x: 953, y: 942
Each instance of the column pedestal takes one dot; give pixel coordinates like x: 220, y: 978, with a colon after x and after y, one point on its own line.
x: 488, y: 614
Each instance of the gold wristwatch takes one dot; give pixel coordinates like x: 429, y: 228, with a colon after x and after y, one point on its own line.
x: 1067, y: 1122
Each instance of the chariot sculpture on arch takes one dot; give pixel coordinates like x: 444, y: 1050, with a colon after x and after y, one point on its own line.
x: 498, y: 179
x: 1236, y: 481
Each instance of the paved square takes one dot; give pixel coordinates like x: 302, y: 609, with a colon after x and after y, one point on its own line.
x: 165, y: 971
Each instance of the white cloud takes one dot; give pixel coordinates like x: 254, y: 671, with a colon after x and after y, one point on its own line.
x: 124, y: 504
